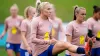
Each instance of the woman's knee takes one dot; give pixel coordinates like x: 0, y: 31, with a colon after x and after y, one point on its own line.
x: 62, y: 45
x: 59, y: 47
x: 10, y: 52
x: 18, y: 54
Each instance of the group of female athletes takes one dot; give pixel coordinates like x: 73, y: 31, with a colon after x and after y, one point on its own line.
x: 37, y: 34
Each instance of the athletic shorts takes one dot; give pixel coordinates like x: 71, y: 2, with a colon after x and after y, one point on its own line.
x: 24, y: 53
x: 95, y: 52
x: 48, y: 52
x: 14, y: 47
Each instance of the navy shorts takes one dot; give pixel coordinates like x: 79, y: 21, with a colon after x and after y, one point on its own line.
x: 95, y: 52
x: 14, y: 47
x: 24, y: 53
x: 48, y: 52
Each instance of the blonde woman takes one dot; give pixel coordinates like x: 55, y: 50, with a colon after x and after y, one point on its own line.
x: 12, y: 27
x: 25, y: 31
x: 57, y: 24
x: 41, y: 35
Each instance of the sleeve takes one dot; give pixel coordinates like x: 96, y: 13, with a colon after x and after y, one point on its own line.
x: 61, y: 34
x: 6, y: 25
x: 24, y: 26
x: 5, y: 29
x: 69, y: 29
x: 90, y: 26
x: 21, y: 19
x: 34, y: 38
x: 60, y: 26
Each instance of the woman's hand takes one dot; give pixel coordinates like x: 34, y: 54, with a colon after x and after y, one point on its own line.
x: 29, y: 50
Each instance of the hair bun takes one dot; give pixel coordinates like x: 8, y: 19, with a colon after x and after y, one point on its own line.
x: 75, y: 7
x: 95, y: 6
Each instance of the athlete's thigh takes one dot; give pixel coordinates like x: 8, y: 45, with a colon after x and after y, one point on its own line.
x: 9, y: 49
x: 59, y: 47
x: 10, y: 52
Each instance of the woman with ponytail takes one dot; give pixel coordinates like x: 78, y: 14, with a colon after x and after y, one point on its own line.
x: 94, y: 30
x: 25, y: 32
x: 77, y: 29
x: 42, y: 38
x: 57, y: 24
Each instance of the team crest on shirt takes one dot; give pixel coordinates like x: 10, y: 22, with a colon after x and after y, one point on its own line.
x: 55, y: 25
x: 17, y: 23
x: 94, y: 26
x: 52, y: 30
x: 50, y: 27
x: 76, y: 29
x: 85, y: 30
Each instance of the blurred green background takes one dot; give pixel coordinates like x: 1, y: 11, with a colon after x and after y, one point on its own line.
x: 64, y: 8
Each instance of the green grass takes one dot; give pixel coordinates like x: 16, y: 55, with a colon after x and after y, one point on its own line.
x: 64, y: 8
x: 3, y: 52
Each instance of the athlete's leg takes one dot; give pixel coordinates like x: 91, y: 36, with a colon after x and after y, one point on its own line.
x: 61, y: 46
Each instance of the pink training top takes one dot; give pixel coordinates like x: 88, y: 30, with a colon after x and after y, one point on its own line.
x: 40, y: 33
x: 26, y: 27
x: 95, y: 27
x: 14, y: 34
x: 78, y: 32
x: 57, y: 27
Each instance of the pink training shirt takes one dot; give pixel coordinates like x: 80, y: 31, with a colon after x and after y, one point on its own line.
x: 95, y: 27
x: 57, y: 27
x: 26, y: 27
x: 14, y: 34
x: 78, y: 32
x: 40, y: 33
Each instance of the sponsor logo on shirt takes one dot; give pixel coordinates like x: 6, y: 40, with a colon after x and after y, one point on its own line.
x: 14, y: 30
x: 46, y: 36
x: 98, y: 34
x: 82, y: 39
